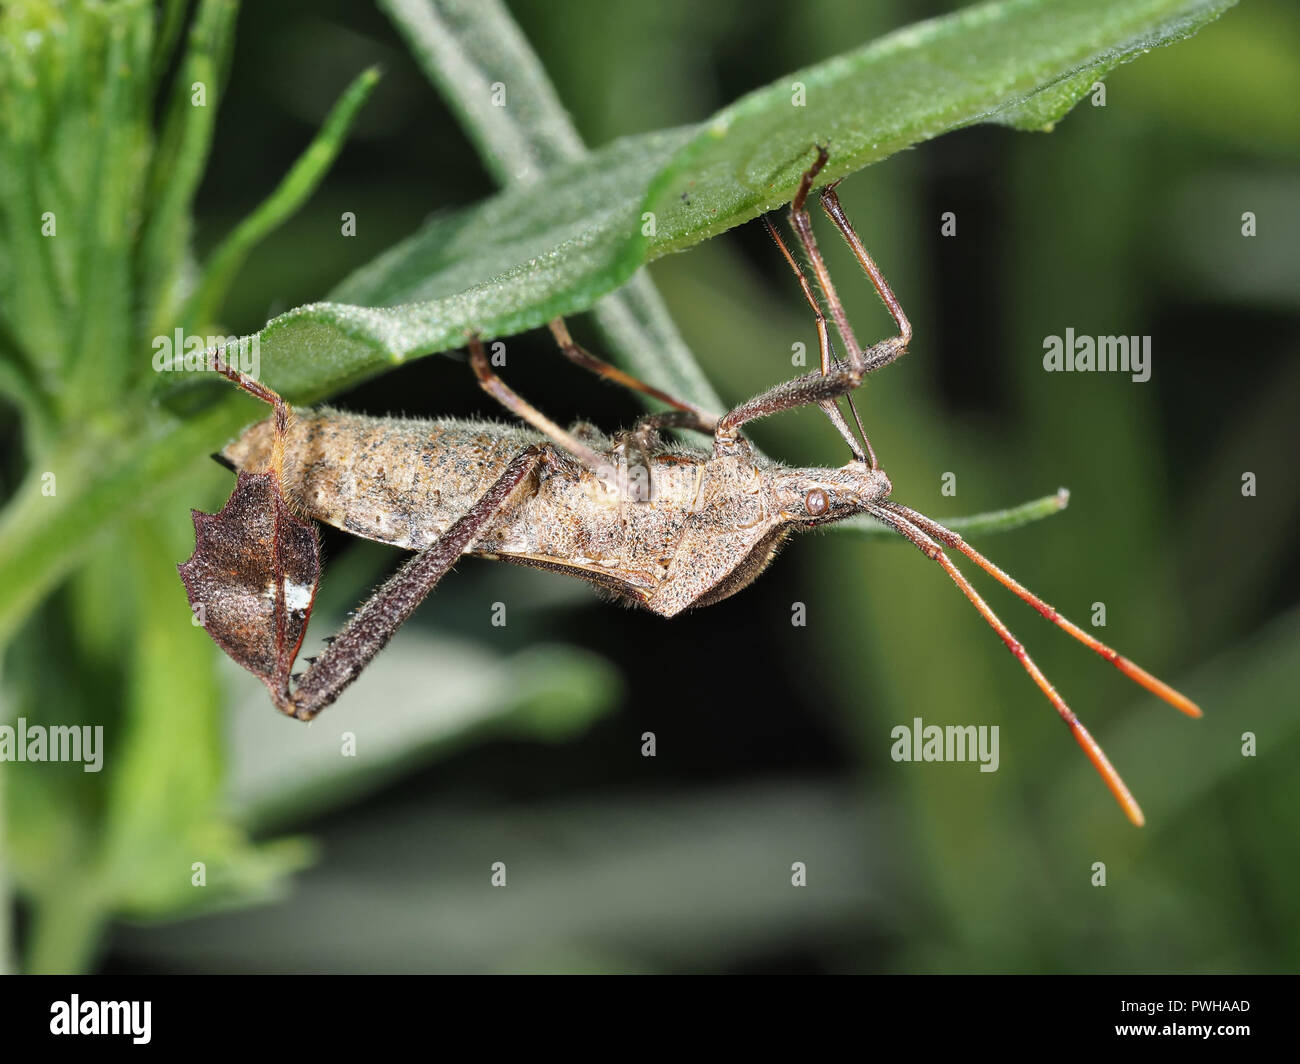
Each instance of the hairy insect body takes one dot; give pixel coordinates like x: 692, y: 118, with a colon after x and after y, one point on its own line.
x: 711, y: 526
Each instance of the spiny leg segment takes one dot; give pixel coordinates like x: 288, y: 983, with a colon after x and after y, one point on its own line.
x: 375, y: 621
x: 838, y: 377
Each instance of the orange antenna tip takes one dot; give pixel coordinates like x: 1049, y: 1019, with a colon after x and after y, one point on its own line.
x: 1106, y: 770
x: 1157, y: 687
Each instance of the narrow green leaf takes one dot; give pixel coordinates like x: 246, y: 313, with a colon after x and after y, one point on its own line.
x: 34, y: 69
x: 179, y: 164
x: 975, y: 524
x: 294, y: 189
x: 97, y: 360
x: 171, y: 17
x: 468, y: 46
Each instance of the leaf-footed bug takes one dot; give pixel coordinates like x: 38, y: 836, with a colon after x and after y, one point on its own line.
x: 664, y: 527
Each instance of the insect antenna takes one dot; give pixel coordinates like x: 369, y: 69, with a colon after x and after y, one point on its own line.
x: 919, y: 530
x: 1133, y: 671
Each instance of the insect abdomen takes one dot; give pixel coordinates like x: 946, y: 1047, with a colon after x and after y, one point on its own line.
x: 393, y: 480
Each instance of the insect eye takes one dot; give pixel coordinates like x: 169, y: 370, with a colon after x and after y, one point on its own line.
x: 816, y: 502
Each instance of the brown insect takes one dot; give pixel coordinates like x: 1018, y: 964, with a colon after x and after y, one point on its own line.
x: 664, y: 527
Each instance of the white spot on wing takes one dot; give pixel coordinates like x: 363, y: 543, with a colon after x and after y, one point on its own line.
x: 297, y: 597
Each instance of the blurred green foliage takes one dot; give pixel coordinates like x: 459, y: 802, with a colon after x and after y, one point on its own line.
x: 1121, y: 221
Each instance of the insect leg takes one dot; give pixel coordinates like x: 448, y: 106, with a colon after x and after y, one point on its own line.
x: 802, y: 391
x: 801, y: 223
x: 838, y: 377
x: 280, y: 410
x: 831, y: 205
x: 686, y: 415
x: 525, y: 411
x: 895, y: 520
x: 384, y: 612
x: 824, y: 344
x: 644, y: 435
x: 598, y: 463
x: 647, y: 426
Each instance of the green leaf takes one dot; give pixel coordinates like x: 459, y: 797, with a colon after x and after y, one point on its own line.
x: 72, y: 148
x: 508, y: 265
x: 557, y: 245
x: 1023, y: 63
x: 101, y: 346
